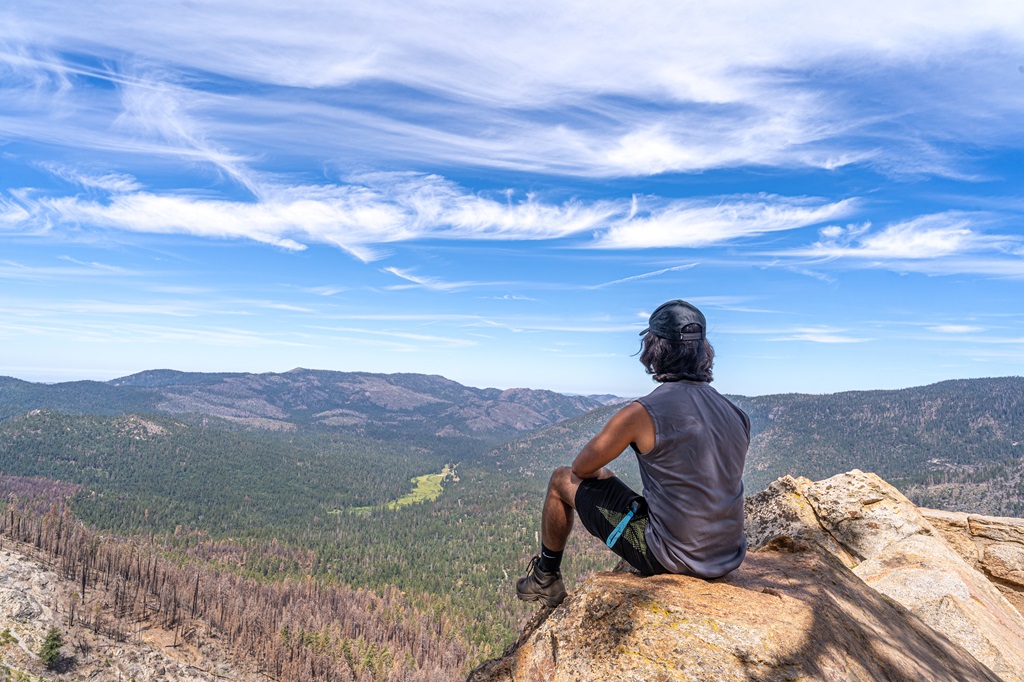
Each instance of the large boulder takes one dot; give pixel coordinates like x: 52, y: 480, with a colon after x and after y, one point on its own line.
x: 791, y: 611
x: 991, y: 544
x: 886, y: 541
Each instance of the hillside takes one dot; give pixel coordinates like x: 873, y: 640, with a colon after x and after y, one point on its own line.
x: 375, y: 405
x: 157, y: 472
x: 951, y: 445
x: 130, y: 610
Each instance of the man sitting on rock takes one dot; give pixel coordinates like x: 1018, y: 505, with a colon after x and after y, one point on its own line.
x: 690, y: 443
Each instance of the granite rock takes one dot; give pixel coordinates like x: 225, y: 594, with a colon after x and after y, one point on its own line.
x: 791, y: 611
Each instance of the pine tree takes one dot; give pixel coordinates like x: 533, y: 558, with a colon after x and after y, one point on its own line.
x: 49, y: 652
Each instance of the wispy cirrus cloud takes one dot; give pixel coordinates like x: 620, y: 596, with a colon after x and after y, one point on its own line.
x: 923, y: 237
x: 115, y: 183
x: 77, y: 269
x: 820, y: 334
x: 823, y: 333
x: 377, y: 334
x: 645, y: 275
x: 696, y: 223
x: 378, y: 209
x: 944, y: 243
x: 673, y: 89
x: 955, y: 329
x: 86, y: 308
x: 426, y: 282
x: 13, y: 214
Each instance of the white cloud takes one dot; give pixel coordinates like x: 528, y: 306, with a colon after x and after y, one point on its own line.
x: 696, y: 223
x: 431, y: 283
x: 518, y: 52
x: 78, y: 269
x: 326, y: 290
x: 925, y: 237
x: 645, y: 275
x: 510, y: 297
x: 12, y: 214
x: 957, y: 329
x: 117, y: 183
x: 398, y: 207
x: 441, y: 341
x: 154, y: 105
x: 827, y: 335
x: 673, y: 87
x: 812, y: 333
x: 93, y: 308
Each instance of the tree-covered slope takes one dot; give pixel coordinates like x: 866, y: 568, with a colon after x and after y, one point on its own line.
x: 534, y: 455
x: 83, y: 397
x: 374, y: 405
x: 910, y: 434
x: 157, y: 472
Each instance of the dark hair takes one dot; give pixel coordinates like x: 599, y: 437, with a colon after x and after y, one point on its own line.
x: 676, y: 360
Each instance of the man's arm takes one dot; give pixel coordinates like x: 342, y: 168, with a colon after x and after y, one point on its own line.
x: 631, y: 424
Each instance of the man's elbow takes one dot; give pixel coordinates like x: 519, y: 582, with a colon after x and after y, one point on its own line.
x: 580, y: 471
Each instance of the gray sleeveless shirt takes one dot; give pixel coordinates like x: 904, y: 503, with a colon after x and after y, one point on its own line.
x: 693, y: 479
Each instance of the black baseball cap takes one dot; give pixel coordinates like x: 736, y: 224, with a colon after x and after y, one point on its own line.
x: 669, y: 319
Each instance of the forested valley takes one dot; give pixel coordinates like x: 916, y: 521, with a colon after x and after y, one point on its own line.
x: 268, y: 507
x: 294, y: 523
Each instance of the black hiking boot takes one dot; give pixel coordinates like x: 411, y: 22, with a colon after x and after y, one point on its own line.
x: 540, y: 585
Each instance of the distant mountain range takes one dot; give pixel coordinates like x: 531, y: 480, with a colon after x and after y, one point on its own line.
x: 959, y: 442
x: 361, y: 402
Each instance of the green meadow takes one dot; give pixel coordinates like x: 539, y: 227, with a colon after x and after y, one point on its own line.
x: 426, y: 488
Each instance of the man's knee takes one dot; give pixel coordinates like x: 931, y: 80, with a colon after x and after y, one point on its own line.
x: 559, y: 477
x: 563, y: 483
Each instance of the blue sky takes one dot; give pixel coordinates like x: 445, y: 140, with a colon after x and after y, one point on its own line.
x: 501, y: 194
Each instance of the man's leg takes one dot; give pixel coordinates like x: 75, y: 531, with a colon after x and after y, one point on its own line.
x: 544, y: 579
x: 559, y: 504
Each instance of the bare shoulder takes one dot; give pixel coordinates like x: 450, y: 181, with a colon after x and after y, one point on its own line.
x: 635, y: 424
x: 631, y: 411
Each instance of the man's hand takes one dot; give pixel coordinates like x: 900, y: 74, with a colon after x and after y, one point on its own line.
x: 631, y: 424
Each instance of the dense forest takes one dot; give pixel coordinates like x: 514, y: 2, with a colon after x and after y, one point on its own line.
x: 269, y: 506
x: 276, y: 506
x: 953, y: 432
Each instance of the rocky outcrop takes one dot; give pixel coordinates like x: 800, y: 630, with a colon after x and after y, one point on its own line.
x: 883, y: 538
x: 994, y: 545
x: 846, y: 580
x: 791, y: 611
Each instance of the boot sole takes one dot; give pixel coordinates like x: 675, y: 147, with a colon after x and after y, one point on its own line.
x: 548, y: 602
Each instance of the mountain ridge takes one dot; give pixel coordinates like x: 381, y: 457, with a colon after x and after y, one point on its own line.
x: 357, y: 401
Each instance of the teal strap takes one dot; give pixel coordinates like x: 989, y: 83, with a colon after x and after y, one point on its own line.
x: 614, y: 536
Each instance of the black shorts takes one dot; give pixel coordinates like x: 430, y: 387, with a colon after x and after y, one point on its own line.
x: 601, y: 504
